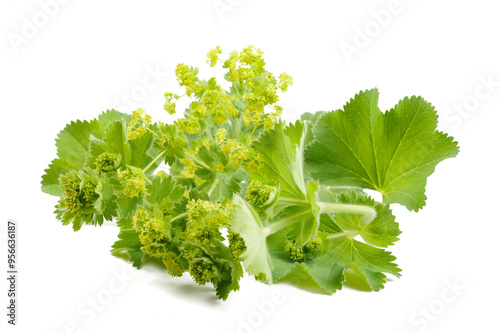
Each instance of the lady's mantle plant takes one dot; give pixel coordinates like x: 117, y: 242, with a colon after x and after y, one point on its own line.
x: 290, y: 195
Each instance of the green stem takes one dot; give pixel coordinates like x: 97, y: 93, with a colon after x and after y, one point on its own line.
x: 199, y: 162
x: 148, y: 205
x: 237, y: 129
x: 178, y: 216
x: 369, y: 213
x: 254, y: 128
x: 153, y: 161
x: 212, y: 188
x: 283, y: 223
x: 147, y: 128
x: 351, y: 233
x: 295, y: 201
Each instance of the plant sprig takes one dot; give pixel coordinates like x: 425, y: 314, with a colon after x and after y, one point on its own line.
x: 290, y: 195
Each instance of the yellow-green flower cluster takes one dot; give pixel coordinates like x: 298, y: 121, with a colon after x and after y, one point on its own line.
x: 238, y: 153
x: 71, y: 188
x: 71, y: 201
x: 205, y: 219
x: 186, y: 76
x: 154, y: 235
x: 244, y: 66
x: 218, y: 103
x: 254, y: 165
x: 220, y: 135
x: 236, y: 244
x: 295, y: 253
x: 213, y: 56
x: 238, y: 115
x: 78, y: 194
x: 298, y: 253
x: 190, y: 125
x: 137, y: 126
x: 169, y: 106
x: 285, y: 81
x: 189, y: 168
x: 107, y: 162
x: 201, y: 268
x: 253, y: 90
x: 219, y: 167
x: 247, y: 69
x: 313, y: 246
x: 259, y: 118
x: 258, y: 195
x: 133, y: 181
x: 197, y: 109
x: 150, y: 229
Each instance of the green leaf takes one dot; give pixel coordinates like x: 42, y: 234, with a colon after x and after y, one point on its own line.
x: 331, y: 193
x: 284, y: 269
x: 224, y: 270
x: 310, y: 119
x: 220, y: 186
x: 303, y: 219
x: 131, y: 152
x: 279, y: 260
x: 89, y: 200
x: 247, y: 223
x: 282, y: 151
x: 127, y: 206
x: 382, y: 231
x: 105, y: 204
x: 340, y: 257
x: 164, y: 192
x: 129, y: 243
x: 328, y: 269
x: 231, y: 271
x: 328, y: 225
x: 73, y: 148
x: 392, y: 152
x: 298, y: 274
x: 170, y: 142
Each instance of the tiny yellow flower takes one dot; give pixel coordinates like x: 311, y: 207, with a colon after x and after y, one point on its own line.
x: 219, y: 167
x: 220, y: 135
x: 213, y: 56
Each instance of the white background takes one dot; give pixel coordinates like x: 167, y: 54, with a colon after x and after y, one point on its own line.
x: 87, y: 55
